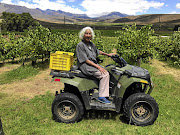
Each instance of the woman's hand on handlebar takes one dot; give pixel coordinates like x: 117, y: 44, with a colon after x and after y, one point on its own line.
x: 107, y: 54
x: 111, y: 54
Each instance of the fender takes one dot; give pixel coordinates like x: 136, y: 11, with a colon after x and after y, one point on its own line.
x: 82, y: 84
x: 125, y: 82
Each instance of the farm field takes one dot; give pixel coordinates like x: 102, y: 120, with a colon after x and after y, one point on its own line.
x: 26, y: 106
x: 26, y: 92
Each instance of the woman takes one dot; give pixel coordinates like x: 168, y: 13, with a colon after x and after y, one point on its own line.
x: 86, y: 53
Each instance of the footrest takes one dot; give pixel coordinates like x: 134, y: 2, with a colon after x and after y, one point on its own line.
x: 95, y: 104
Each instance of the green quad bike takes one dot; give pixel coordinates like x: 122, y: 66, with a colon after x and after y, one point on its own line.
x: 129, y: 91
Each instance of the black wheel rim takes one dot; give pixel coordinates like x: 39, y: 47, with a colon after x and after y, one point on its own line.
x: 67, y: 110
x: 141, y: 111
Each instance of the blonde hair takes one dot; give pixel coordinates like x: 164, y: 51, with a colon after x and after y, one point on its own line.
x: 82, y: 32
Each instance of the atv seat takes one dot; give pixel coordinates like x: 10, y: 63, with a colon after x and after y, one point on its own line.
x: 72, y: 73
x: 64, y: 74
x: 77, y: 72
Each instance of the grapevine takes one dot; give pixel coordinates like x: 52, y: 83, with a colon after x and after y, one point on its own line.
x: 133, y: 43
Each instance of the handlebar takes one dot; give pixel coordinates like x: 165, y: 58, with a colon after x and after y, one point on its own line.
x: 115, y: 56
x: 119, y: 60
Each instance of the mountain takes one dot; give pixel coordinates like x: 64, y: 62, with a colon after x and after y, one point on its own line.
x: 43, y: 15
x: 59, y: 16
x: 159, y: 19
x: 56, y: 16
x: 113, y: 15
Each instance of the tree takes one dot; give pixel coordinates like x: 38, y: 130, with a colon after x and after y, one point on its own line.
x: 17, y: 22
x: 135, y: 44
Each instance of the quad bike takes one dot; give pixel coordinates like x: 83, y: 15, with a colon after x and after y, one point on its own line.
x: 129, y: 91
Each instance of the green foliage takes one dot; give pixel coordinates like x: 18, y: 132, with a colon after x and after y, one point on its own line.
x: 132, y: 43
x: 164, y: 47
x: 66, y: 42
x: 98, y: 41
x: 140, y: 43
x: 11, y: 46
x: 176, y: 47
x: 39, y: 42
x: 169, y: 48
x: 135, y: 43
x: 17, y: 22
x: 3, y: 50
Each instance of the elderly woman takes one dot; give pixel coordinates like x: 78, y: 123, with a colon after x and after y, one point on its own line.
x: 86, y: 53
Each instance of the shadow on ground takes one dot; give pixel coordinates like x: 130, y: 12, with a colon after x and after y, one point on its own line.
x: 104, y: 114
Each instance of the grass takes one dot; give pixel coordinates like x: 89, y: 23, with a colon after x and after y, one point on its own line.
x: 26, y: 117
x: 65, y: 30
x: 19, y: 73
x: 108, y: 33
x: 164, y: 33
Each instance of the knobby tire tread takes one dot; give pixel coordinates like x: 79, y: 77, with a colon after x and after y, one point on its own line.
x: 136, y: 97
x: 73, y: 98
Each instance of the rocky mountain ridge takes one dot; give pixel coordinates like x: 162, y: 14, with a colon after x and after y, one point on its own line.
x: 56, y: 16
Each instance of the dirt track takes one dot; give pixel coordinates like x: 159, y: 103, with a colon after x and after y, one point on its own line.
x: 32, y: 86
x: 41, y: 83
x: 164, y: 69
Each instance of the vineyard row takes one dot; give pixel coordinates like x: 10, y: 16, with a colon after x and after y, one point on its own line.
x: 132, y: 44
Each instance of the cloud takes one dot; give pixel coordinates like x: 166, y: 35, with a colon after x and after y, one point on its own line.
x: 178, y: 5
x: 71, y: 0
x: 56, y: 5
x: 7, y: 1
x: 98, y: 7
x: 92, y: 8
x: 46, y: 4
x: 22, y: 3
x: 174, y: 12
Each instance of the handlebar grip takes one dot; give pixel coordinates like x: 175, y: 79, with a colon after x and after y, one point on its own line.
x: 115, y: 56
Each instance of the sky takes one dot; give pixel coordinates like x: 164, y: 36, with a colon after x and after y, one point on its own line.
x: 96, y: 8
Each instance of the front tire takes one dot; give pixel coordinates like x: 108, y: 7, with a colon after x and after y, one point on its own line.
x: 141, y: 109
x: 67, y: 108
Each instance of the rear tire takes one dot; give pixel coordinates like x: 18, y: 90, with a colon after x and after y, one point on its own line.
x: 141, y: 109
x: 67, y: 108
